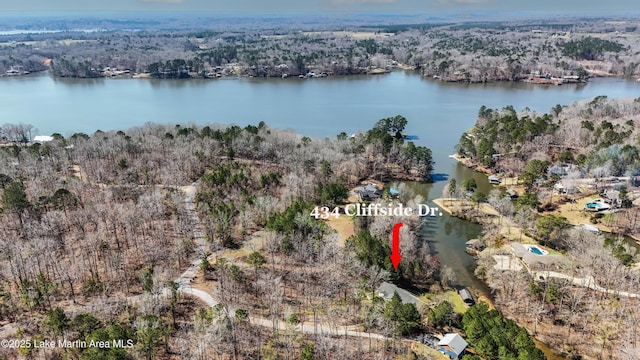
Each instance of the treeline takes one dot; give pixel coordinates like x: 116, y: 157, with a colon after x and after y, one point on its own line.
x: 494, y: 337
x: 590, y: 48
x: 474, y: 52
x: 596, y: 135
x: 500, y: 132
x: 414, y: 161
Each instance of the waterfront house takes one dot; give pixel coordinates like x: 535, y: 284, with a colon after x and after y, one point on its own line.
x: 42, y: 139
x: 386, y: 291
x: 474, y: 246
x: 534, y: 258
x: 452, y: 345
x: 368, y: 192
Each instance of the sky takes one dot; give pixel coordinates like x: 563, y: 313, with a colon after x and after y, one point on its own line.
x: 314, y: 6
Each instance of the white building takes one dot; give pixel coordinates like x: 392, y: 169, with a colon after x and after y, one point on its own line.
x: 42, y: 139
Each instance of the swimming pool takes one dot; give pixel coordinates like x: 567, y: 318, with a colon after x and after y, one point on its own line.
x: 596, y: 206
x: 536, y: 250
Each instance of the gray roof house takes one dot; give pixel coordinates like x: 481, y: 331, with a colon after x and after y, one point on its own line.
x: 386, y: 291
x: 368, y: 192
x: 452, y: 345
x: 533, y: 261
x: 612, y: 196
x: 559, y: 169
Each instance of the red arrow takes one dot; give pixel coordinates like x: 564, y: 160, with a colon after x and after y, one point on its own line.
x: 395, y: 245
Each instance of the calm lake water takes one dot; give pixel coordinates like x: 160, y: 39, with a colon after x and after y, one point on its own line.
x: 437, y: 112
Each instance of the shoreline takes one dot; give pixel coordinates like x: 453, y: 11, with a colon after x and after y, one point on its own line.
x: 561, y: 210
x: 375, y: 71
x: 548, y: 351
x: 468, y: 163
x: 441, y: 202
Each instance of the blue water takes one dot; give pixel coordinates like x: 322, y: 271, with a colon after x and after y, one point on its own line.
x: 535, y: 250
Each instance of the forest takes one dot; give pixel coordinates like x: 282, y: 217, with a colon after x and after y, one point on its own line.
x: 469, y: 52
x: 597, y: 135
x: 99, y: 228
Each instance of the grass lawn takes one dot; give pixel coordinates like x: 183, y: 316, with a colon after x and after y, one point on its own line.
x: 451, y: 296
x: 427, y: 352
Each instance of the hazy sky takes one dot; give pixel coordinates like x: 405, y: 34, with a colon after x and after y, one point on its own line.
x: 424, y: 6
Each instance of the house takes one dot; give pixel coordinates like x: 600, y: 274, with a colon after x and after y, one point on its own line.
x: 533, y: 260
x: 564, y: 187
x: 559, y: 169
x: 386, y: 291
x: 42, y: 139
x: 493, y: 179
x: 612, y: 197
x: 368, y: 192
x: 452, y: 345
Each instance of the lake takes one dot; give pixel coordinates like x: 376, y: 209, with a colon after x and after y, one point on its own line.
x: 437, y: 112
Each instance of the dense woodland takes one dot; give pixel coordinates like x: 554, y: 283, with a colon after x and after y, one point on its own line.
x: 96, y: 228
x: 473, y: 52
x: 598, y: 135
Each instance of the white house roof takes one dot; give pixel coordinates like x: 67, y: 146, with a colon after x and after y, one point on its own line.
x: 453, y: 341
x: 42, y: 138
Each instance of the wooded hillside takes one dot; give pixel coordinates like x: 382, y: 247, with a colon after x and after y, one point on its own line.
x: 98, y: 228
x: 599, y: 135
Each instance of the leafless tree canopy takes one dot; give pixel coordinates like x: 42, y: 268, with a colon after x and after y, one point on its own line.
x: 103, y: 225
x: 471, y: 52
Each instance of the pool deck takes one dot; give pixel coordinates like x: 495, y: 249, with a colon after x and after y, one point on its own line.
x: 535, y: 249
x: 529, y: 260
